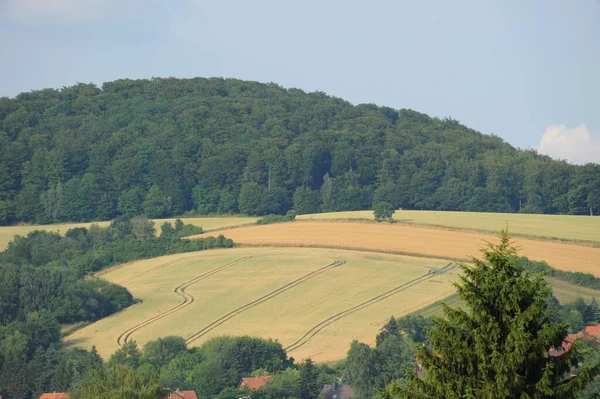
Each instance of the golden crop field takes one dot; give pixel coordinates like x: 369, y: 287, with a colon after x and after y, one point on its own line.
x: 413, y: 240
x: 314, y: 301
x: 8, y: 232
x: 567, y: 227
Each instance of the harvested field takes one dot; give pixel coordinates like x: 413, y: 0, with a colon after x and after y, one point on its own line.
x: 8, y: 232
x: 314, y: 301
x: 412, y: 240
x: 566, y: 227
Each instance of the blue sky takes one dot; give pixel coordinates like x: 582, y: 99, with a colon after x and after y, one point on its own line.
x: 527, y: 71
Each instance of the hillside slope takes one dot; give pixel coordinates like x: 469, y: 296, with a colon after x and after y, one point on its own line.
x: 165, y: 146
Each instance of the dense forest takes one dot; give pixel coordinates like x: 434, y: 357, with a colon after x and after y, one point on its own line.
x: 164, y: 147
x: 45, y: 282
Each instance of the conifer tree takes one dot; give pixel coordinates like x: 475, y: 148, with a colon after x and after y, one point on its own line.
x: 592, y: 312
x: 498, y: 346
x: 308, y: 383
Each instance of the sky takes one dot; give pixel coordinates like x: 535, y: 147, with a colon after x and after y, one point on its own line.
x: 527, y: 71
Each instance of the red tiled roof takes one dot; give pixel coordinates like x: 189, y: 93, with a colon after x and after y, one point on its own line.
x: 254, y: 383
x: 182, y: 395
x: 55, y: 395
x: 593, y: 331
x: 567, y: 344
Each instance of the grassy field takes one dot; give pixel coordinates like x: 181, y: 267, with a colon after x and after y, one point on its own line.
x: 412, y: 240
x: 314, y: 301
x: 567, y: 293
x: 584, y: 228
x: 8, y: 232
x: 564, y: 292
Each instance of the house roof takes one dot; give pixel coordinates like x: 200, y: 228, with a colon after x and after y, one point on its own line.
x: 337, y: 391
x: 567, y: 343
x: 254, y: 383
x: 177, y: 394
x: 593, y: 331
x: 55, y: 395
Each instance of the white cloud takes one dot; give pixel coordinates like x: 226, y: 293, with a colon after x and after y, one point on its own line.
x: 576, y: 145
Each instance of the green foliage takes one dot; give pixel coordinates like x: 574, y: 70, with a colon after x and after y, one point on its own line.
x: 156, y: 204
x: 306, y: 200
x: 370, y: 369
x: 117, y: 382
x: 163, y: 350
x: 284, y: 384
x: 290, y: 216
x: 308, y: 381
x: 127, y: 355
x: 498, y: 346
x: 415, y: 326
x: 383, y: 211
x: 133, y: 147
x: 592, y: 312
x: 578, y: 278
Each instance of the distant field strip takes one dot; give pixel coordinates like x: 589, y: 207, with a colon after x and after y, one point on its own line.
x: 332, y: 319
x: 567, y: 227
x: 207, y: 223
x: 415, y: 240
x: 260, y: 300
x: 187, y: 300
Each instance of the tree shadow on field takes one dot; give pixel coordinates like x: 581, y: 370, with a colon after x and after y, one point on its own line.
x: 403, y: 220
x: 74, y: 341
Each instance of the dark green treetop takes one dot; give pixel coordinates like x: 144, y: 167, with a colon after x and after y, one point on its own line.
x: 383, y: 211
x: 498, y: 346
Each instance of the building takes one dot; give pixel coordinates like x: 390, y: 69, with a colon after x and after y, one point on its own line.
x: 590, y: 332
x: 337, y: 391
x: 177, y: 394
x: 55, y: 395
x: 254, y: 383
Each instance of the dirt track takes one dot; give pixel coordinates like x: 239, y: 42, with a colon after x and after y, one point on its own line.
x: 412, y: 239
x: 187, y: 299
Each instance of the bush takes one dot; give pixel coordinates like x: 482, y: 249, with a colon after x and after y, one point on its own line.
x: 270, y: 219
x: 383, y: 211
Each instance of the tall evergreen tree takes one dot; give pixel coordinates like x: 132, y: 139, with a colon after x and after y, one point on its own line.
x: 498, y: 346
x: 592, y: 313
x: 308, y: 383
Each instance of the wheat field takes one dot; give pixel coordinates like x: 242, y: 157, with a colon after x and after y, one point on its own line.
x: 314, y: 301
x: 566, y: 227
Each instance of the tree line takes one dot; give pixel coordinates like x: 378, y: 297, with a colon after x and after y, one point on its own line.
x: 162, y: 147
x: 45, y: 282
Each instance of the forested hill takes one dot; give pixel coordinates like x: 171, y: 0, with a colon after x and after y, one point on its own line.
x: 161, y: 147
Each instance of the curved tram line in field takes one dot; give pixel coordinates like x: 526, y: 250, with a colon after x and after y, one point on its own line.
x: 317, y: 328
x: 264, y: 298
x: 124, y: 337
x: 135, y: 276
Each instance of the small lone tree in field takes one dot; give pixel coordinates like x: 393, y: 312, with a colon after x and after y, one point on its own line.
x: 383, y: 211
x: 498, y: 346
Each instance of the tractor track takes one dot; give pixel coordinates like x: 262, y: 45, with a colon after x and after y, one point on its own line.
x: 161, y: 266
x: 320, y: 326
x: 123, y: 338
x: 200, y: 333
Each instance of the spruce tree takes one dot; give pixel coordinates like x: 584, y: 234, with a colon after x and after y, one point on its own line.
x: 592, y: 312
x: 498, y: 346
x: 308, y: 383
